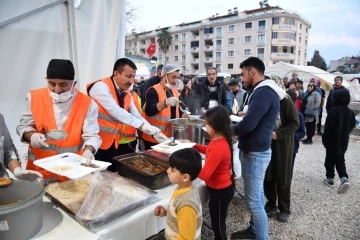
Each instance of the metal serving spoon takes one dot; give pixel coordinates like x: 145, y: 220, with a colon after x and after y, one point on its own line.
x: 56, y: 134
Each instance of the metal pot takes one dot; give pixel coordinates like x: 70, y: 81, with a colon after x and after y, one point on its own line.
x: 182, y: 128
x: 21, y: 210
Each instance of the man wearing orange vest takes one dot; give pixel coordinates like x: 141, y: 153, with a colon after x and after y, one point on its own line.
x: 118, y: 116
x: 162, y: 104
x: 60, y: 106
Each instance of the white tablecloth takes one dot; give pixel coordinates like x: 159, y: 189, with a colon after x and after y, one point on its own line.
x: 137, y: 224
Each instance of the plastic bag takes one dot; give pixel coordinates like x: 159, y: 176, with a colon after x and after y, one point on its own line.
x: 109, y: 197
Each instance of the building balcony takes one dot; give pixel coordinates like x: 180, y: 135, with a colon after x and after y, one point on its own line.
x: 208, y: 48
x: 218, y: 60
x: 208, y: 36
x: 283, y: 56
x: 196, y: 37
x: 219, y: 35
x: 283, y: 42
x: 195, y: 49
x: 183, y: 62
x: 282, y: 27
x: 208, y: 60
x: 195, y: 61
x: 195, y: 71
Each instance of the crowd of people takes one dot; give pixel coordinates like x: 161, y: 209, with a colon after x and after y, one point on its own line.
x: 113, y: 119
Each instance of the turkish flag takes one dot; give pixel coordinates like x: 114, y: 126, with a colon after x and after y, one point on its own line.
x: 151, y: 49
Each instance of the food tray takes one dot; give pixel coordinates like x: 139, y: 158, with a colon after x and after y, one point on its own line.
x: 152, y: 181
x: 71, y: 160
x: 165, y: 148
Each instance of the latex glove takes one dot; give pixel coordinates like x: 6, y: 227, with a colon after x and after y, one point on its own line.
x: 172, y: 101
x: 89, y: 156
x: 38, y: 140
x: 27, y: 175
x: 160, y: 137
x: 150, y: 130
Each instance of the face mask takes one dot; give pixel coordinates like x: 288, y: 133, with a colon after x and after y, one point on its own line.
x: 167, y: 84
x: 63, y: 97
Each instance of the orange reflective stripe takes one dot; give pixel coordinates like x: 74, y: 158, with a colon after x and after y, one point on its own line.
x: 43, y: 114
x: 110, y: 128
x: 161, y: 119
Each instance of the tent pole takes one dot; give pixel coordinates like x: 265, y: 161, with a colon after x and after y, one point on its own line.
x: 70, y: 16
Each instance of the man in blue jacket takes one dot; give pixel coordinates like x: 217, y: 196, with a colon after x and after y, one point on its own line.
x: 255, y: 134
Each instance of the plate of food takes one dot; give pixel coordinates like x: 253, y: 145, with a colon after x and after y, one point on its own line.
x: 70, y: 165
x: 169, y: 147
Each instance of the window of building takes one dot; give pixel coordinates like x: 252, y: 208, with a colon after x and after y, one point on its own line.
x: 231, y: 53
x: 261, y: 53
x: 305, y: 55
x: 274, y: 35
x: 231, y: 40
x: 195, y: 44
x: 218, y: 67
x: 305, y: 42
x: 300, y: 26
x: 160, y: 59
x: 218, y: 44
x: 230, y: 66
x: 219, y: 32
x: 135, y: 44
x: 183, y: 59
x: 183, y: 48
x: 208, y: 30
x: 247, y: 52
x: 307, y: 29
x: 183, y: 70
x: 176, y: 37
x: 231, y: 28
x: 183, y: 37
x: 262, y: 25
x: 167, y: 59
x: 275, y: 20
x: 218, y: 56
x: 288, y: 20
x: 248, y: 25
x: 274, y: 49
x: 176, y: 58
x: 261, y: 39
x: 299, y: 39
x: 135, y: 52
x: 299, y: 52
x: 176, y: 47
x: 247, y: 39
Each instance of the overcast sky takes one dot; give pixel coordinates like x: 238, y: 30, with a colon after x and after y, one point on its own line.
x: 335, y: 30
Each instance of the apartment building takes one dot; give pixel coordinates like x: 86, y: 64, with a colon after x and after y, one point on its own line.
x: 271, y: 33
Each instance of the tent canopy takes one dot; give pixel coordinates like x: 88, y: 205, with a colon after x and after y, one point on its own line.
x: 282, y: 69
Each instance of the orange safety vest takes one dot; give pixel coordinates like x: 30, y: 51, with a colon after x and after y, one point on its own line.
x: 161, y: 119
x: 43, y: 114
x: 111, y: 130
x: 128, y: 129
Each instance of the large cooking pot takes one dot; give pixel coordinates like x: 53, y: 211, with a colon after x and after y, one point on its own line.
x: 21, y: 210
x: 182, y: 128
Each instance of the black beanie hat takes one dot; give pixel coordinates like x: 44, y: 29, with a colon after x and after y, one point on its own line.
x: 60, y: 69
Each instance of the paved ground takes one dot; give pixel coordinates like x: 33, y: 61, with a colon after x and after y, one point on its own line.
x: 318, y: 212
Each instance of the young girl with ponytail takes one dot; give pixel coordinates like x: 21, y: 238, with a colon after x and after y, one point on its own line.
x: 218, y: 171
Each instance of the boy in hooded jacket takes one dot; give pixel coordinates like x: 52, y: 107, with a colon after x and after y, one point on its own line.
x: 339, y: 123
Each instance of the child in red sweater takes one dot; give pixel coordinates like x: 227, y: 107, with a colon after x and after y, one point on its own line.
x: 218, y: 171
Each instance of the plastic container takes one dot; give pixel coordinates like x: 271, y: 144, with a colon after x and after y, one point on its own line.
x: 153, y: 182
x: 21, y: 210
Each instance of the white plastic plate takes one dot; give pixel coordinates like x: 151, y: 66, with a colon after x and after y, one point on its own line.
x: 165, y: 148
x: 235, y: 118
x: 72, y: 160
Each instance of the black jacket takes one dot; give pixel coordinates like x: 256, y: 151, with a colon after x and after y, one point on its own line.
x: 330, y: 102
x: 339, y: 123
x: 204, y: 94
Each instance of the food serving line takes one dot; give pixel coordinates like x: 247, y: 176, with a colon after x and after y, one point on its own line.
x: 102, y: 205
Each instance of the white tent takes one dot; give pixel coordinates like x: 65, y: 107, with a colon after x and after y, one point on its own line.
x: 142, y: 71
x: 282, y: 69
x: 91, y: 34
